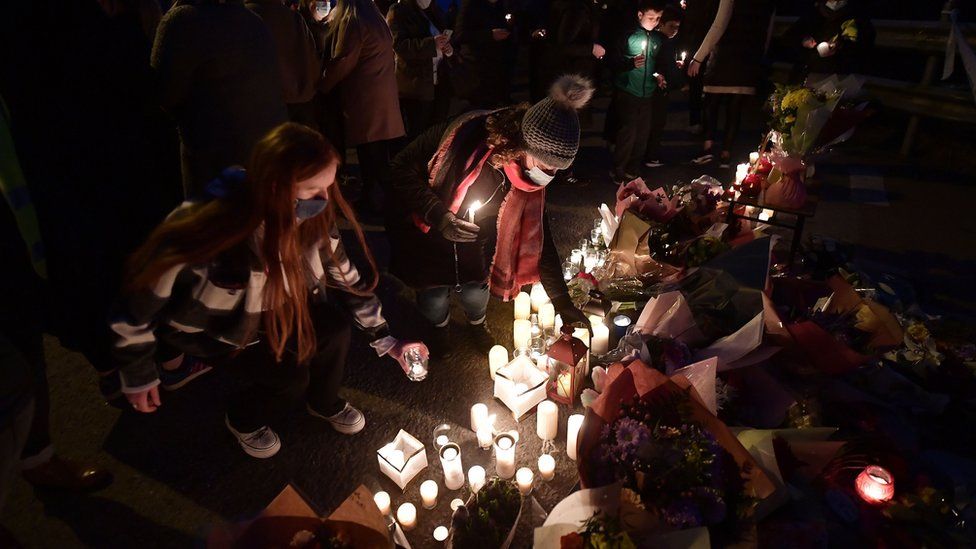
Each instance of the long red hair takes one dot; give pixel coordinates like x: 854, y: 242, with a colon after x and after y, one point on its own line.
x: 288, y: 154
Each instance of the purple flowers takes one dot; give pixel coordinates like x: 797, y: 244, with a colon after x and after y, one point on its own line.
x: 631, y: 434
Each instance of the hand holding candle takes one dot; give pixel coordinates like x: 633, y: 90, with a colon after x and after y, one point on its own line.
x: 475, y: 206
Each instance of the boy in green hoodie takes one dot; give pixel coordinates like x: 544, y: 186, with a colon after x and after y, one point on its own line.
x: 632, y: 60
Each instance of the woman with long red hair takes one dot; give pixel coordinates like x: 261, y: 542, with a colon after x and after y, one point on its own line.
x: 246, y: 280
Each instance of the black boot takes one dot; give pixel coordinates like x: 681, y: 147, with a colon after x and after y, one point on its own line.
x: 439, y: 343
x: 481, y: 337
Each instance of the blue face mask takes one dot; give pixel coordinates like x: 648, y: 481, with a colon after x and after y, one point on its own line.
x: 539, y: 177
x: 309, y: 208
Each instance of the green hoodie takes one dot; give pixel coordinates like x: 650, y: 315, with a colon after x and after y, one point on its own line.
x: 638, y: 82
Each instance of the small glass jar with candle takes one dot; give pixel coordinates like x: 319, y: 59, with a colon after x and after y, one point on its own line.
x: 505, y: 455
x: 416, y: 364
x: 453, y: 469
x: 875, y: 484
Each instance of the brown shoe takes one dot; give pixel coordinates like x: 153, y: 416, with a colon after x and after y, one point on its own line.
x: 70, y: 476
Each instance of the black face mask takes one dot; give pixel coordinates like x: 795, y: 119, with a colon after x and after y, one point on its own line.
x: 311, y: 207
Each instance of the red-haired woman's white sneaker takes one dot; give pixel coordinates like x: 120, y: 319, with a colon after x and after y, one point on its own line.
x: 261, y: 444
x: 348, y: 422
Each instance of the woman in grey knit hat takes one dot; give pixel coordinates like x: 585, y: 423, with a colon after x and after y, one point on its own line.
x: 499, y: 160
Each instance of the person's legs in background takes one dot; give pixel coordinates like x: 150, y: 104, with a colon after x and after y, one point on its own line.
x: 16, y: 414
x: 474, y: 301
x: 374, y: 168
x: 435, y: 305
x: 659, y: 119
x: 709, y: 115
x: 696, y: 100
x: 733, y: 119
x: 625, y: 141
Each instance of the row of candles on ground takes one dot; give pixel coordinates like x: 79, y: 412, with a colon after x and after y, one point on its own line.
x: 591, y: 254
x: 404, y: 458
x: 536, y: 317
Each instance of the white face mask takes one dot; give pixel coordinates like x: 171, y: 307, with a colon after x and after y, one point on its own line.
x: 539, y: 177
x: 322, y: 10
x: 423, y: 4
x: 835, y: 5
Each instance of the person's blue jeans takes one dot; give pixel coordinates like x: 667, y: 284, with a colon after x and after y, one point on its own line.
x: 435, y: 303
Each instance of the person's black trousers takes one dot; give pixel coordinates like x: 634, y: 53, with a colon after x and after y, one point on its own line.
x: 659, y: 119
x: 420, y: 114
x: 633, y: 130
x: 696, y: 96
x: 275, y: 389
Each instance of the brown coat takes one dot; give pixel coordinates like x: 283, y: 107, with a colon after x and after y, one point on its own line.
x: 362, y: 66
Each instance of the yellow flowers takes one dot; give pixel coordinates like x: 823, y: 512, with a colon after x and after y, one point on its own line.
x: 797, y: 97
x: 918, y: 332
x: 848, y: 30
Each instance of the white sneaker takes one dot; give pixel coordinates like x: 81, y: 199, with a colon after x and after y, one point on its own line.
x: 348, y: 422
x: 654, y: 163
x: 261, y: 444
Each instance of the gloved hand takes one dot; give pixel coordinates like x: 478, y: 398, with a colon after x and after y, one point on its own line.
x: 456, y: 229
x: 569, y: 313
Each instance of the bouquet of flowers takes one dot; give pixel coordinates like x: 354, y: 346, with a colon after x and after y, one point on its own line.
x: 798, y: 115
x: 600, y: 531
x: 489, y: 517
x: 848, y: 31
x: 679, y: 466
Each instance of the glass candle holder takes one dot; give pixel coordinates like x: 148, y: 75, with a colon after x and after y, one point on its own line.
x: 453, y: 470
x: 416, y: 364
x: 505, y: 455
x: 875, y: 484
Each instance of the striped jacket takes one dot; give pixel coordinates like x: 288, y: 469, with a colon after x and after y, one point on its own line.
x: 213, y: 309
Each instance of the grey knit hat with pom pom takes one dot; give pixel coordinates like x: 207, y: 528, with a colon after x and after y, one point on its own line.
x: 550, y: 128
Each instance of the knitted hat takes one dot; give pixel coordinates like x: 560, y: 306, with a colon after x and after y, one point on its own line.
x: 550, y: 128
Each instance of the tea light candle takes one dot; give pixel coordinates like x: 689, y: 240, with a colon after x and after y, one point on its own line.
x: 523, y: 306
x: 601, y: 339
x: 538, y: 297
x: 547, y: 420
x: 476, y: 478
x: 479, y: 413
x: 572, y: 433
x: 621, y: 323
x: 455, y: 503
x: 407, y: 516
x: 547, y: 316
x: 440, y: 533
x: 505, y: 455
x: 428, y: 493
x: 453, y: 469
x: 382, y: 500
x: 524, y: 478
x: 441, y: 440
x: 485, y: 433
x: 875, y: 484
x: 522, y: 334
x: 497, y: 357
x: 547, y: 466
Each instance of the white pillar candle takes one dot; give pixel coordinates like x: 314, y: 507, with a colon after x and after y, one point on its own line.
x: 741, y: 171
x: 522, y: 334
x: 538, y: 297
x: 476, y: 478
x: 505, y: 455
x: 479, y: 413
x: 572, y: 433
x: 455, y: 503
x: 583, y: 335
x: 524, y: 478
x: 601, y: 339
x: 596, y: 320
x: 547, y: 420
x: 547, y: 316
x: 440, y: 533
x: 486, y: 432
x: 497, y: 357
x: 382, y: 500
x: 547, y: 466
x: 428, y: 494
x: 453, y: 469
x: 523, y: 306
x: 407, y: 516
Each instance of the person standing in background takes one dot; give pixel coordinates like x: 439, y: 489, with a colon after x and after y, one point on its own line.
x: 483, y: 34
x: 423, y: 54
x: 668, y: 65
x: 830, y: 37
x: 734, y: 47
x: 219, y: 78
x: 298, y: 58
x: 698, y: 18
x: 362, y: 67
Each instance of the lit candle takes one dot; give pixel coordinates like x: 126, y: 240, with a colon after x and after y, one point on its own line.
x: 557, y: 327
x: 547, y: 316
x: 442, y: 440
x: 643, y: 46
x: 440, y: 533
x: 479, y: 413
x: 486, y: 432
x: 456, y: 503
x: 684, y: 55
x: 523, y: 306
x: 505, y: 455
x: 524, y: 478
x: 823, y: 49
x: 875, y: 484
x: 428, y: 493
x: 547, y: 420
x: 564, y: 385
x: 396, y: 458
x: 497, y: 357
x: 753, y: 157
x: 522, y: 334
x: 741, y: 171
x: 476, y: 478
x: 538, y: 297
x: 472, y: 209
x: 451, y: 463
x: 601, y: 339
x: 572, y: 434
x: 382, y: 500
x: 508, y: 17
x: 583, y: 335
x: 547, y: 466
x: 621, y: 323
x: 407, y: 516
x: 596, y: 319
